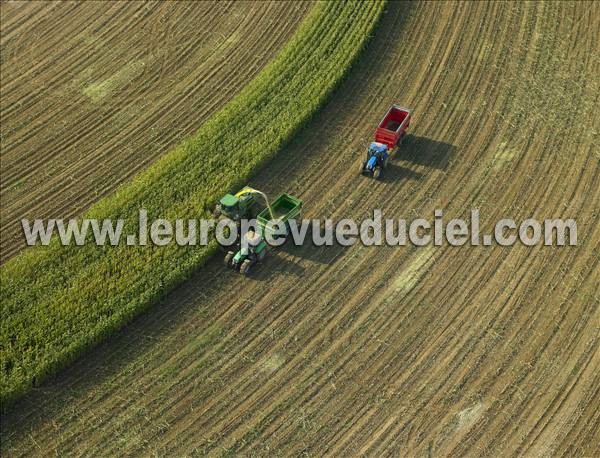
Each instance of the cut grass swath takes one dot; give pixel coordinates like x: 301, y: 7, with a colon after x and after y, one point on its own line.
x: 59, y: 301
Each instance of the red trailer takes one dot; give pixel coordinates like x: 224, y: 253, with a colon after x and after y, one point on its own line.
x: 393, y: 126
x: 388, y: 135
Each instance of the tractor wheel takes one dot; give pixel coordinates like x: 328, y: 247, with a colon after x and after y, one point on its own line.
x: 386, y: 161
x: 245, y: 267
x: 377, y: 173
x: 362, y: 167
x: 262, y: 254
x: 228, y: 258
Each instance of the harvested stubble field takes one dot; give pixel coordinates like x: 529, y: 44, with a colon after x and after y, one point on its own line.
x: 374, y: 351
x: 58, y: 300
x: 88, y: 86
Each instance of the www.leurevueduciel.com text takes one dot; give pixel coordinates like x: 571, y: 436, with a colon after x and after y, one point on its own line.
x: 375, y: 230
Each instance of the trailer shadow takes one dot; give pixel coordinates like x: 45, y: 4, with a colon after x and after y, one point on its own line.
x: 394, y: 173
x: 325, y: 254
x: 426, y: 152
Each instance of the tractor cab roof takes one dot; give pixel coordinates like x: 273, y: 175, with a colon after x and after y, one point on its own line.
x: 228, y: 200
x: 376, y: 147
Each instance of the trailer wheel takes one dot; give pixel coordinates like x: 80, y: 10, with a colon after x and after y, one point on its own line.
x: 228, y: 258
x: 377, y: 173
x: 245, y: 267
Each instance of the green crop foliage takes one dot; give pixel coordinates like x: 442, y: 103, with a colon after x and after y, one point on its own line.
x: 58, y: 301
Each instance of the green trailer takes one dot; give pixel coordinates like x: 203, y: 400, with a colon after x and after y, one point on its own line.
x: 283, y: 209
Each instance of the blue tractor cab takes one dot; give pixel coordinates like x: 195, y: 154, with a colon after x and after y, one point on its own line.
x: 377, y: 160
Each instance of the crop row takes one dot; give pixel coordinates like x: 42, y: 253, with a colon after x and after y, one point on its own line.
x: 58, y: 301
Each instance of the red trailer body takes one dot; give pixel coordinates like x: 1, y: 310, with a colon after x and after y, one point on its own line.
x: 393, y: 126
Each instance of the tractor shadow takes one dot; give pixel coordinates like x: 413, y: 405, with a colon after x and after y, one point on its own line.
x: 274, y: 266
x: 394, y: 173
x: 426, y: 152
x: 417, y: 151
x: 289, y: 258
x: 326, y: 254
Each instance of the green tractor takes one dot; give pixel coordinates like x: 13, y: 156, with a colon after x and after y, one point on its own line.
x: 252, y: 250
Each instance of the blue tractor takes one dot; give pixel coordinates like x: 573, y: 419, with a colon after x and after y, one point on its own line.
x: 377, y: 160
